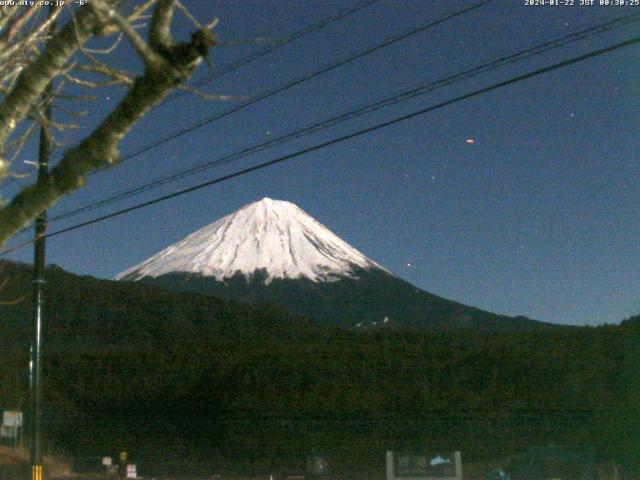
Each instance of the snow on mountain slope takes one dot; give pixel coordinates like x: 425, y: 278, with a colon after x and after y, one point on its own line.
x: 270, y: 235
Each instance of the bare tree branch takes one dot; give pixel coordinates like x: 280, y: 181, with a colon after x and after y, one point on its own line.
x: 118, y: 76
x: 104, y: 51
x: 160, y: 37
x: 34, y: 79
x: 28, y: 41
x: 148, y: 54
x: 213, y: 96
x: 16, y: 23
x: 172, y: 65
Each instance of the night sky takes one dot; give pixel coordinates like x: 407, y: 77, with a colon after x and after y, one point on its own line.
x: 524, y: 200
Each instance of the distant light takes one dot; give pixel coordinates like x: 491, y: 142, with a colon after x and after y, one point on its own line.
x: 408, y: 264
x: 471, y: 141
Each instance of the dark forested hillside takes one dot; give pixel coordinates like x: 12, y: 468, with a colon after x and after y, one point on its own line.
x: 369, y: 298
x: 160, y: 373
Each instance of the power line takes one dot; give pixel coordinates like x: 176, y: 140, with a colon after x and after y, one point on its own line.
x: 358, y: 133
x: 351, y: 114
x: 389, y: 41
x: 277, y: 45
x: 309, y: 76
x: 208, y: 120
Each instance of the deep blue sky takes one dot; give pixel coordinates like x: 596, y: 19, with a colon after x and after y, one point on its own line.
x: 539, y: 216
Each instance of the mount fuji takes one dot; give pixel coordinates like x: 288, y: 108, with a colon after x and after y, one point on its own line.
x: 269, y: 236
x: 271, y: 251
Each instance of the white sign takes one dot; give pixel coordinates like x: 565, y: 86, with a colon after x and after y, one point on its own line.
x: 424, y: 466
x: 107, y: 461
x: 131, y: 471
x: 12, y: 419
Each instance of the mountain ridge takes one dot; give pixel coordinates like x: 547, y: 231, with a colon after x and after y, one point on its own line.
x: 271, y: 251
x: 363, y: 301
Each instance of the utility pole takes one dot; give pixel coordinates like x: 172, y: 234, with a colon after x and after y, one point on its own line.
x: 38, y: 286
x: 35, y: 416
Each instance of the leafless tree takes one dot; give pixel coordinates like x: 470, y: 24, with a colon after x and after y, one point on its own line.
x: 33, y: 57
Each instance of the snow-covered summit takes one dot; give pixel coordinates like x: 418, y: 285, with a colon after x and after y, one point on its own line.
x: 273, y: 236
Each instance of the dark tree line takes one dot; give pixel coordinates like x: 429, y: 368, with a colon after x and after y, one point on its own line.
x: 163, y: 373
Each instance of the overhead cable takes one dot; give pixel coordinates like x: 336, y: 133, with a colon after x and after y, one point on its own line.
x: 379, y: 126
x: 351, y: 114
